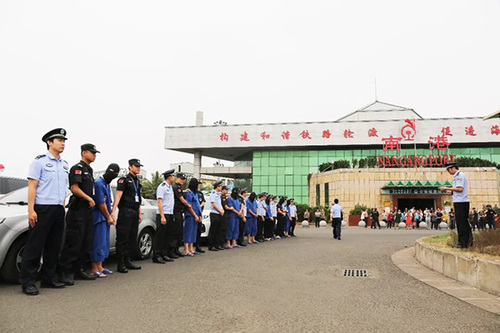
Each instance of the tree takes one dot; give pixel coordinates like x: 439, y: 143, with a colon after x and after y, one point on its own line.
x: 149, y: 186
x: 244, y: 183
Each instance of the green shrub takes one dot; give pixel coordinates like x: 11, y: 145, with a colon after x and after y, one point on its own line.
x: 358, y: 209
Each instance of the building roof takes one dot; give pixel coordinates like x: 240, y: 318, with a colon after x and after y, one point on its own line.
x: 381, y: 111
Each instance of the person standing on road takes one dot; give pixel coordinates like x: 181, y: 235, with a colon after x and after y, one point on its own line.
x: 251, y: 224
x: 234, y: 208
x: 261, y: 220
x: 490, y: 217
x: 75, y: 253
x: 179, y: 206
x: 242, y: 197
x: 317, y: 217
x: 461, y: 204
x: 128, y: 199
x: 202, y: 202
x: 193, y: 217
x: 164, y: 219
x: 47, y: 184
x: 224, y: 219
x: 375, y: 216
x: 216, y: 214
x: 292, y: 211
x: 336, y: 219
x: 102, y: 219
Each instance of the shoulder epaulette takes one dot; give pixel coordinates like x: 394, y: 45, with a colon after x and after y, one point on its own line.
x: 163, y: 184
x: 39, y: 157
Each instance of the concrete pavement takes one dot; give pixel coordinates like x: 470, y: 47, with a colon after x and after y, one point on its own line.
x: 290, y: 285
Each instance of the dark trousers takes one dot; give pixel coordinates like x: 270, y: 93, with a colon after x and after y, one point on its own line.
x: 337, y: 226
x: 280, y: 225
x: 198, y: 235
x: 241, y: 235
x: 268, y: 228
x: 162, y: 236
x: 223, y: 228
x: 375, y: 224
x: 260, y: 228
x: 317, y: 220
x: 45, y: 237
x: 492, y: 224
x: 177, y: 230
x: 463, y: 226
x: 79, y: 237
x: 293, y: 222
x: 126, y: 231
x: 214, y: 232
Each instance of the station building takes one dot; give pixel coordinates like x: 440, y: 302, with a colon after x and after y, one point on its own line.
x: 404, y: 151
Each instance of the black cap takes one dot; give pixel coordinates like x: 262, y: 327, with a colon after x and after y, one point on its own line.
x: 217, y: 184
x: 55, y: 133
x: 244, y: 190
x: 261, y: 195
x: 134, y: 161
x: 168, y: 173
x: 180, y: 175
x: 89, y: 147
x: 224, y: 188
x: 451, y: 165
x: 114, y: 167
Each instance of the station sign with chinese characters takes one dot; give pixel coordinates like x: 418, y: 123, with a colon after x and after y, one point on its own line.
x: 412, y: 191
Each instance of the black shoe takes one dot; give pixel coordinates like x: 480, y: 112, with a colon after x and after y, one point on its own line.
x: 167, y: 259
x: 179, y: 254
x: 131, y: 265
x: 158, y: 260
x: 220, y: 248
x: 338, y: 238
x: 67, y: 278
x: 211, y: 248
x: 172, y: 255
x: 242, y: 244
x: 53, y: 285
x: 198, y: 249
x: 121, y: 266
x: 30, y: 290
x: 82, y: 275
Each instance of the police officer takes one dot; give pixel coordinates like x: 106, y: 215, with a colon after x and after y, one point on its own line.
x: 128, y: 199
x: 461, y: 204
x: 47, y: 184
x: 179, y: 204
x: 164, y: 219
x: 79, y: 221
x: 224, y: 220
x: 216, y: 214
x: 242, y: 197
x: 201, y: 199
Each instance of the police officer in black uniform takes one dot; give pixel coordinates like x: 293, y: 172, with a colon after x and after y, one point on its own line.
x: 223, y: 220
x: 241, y: 237
x: 79, y: 220
x: 201, y: 226
x: 128, y: 200
x: 179, y: 205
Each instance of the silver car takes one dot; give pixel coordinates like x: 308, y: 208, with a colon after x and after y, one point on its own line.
x: 14, y: 232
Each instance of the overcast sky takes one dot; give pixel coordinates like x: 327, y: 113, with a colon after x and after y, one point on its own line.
x: 114, y: 73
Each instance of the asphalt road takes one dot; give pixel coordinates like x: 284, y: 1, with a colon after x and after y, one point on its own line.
x: 290, y: 285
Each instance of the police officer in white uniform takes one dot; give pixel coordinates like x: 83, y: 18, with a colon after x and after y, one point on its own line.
x: 336, y: 218
x: 47, y: 185
x: 164, y: 219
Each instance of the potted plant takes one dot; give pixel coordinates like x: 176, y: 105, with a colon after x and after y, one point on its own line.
x: 355, y: 214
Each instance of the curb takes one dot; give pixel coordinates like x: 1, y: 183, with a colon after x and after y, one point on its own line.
x: 406, y: 261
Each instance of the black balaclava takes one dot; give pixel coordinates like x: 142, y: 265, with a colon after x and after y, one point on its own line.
x: 111, y: 173
x: 235, y: 193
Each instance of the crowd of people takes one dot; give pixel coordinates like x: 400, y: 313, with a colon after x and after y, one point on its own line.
x: 432, y: 217
x: 91, y: 211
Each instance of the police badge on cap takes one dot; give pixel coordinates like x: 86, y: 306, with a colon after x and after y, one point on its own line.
x: 135, y: 162
x: 55, y: 133
x: 168, y: 173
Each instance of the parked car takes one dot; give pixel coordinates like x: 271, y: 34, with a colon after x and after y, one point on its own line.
x: 14, y: 232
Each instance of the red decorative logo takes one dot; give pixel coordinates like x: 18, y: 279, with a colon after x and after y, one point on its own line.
x: 409, y: 130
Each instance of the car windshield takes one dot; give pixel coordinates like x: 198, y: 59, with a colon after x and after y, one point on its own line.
x: 17, y: 196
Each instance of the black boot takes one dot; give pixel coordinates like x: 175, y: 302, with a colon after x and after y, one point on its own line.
x: 121, y: 265
x: 130, y: 265
x: 83, y: 275
x: 198, y: 249
x: 178, y: 253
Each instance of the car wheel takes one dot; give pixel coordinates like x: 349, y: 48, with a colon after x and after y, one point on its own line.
x: 144, y: 246
x: 12, y: 264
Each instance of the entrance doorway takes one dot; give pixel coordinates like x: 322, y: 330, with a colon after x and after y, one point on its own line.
x: 418, y: 203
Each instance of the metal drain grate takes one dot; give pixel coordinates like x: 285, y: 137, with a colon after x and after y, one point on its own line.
x: 355, y: 273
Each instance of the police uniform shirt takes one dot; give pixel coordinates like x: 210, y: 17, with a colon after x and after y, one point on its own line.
x: 166, y: 194
x: 274, y: 208
x: 52, y: 177
x: 460, y: 180
x: 82, y: 174
x: 131, y: 187
x: 215, y: 197
x: 336, y: 211
x: 178, y: 194
x: 292, y: 210
x: 260, y: 208
x: 102, y: 196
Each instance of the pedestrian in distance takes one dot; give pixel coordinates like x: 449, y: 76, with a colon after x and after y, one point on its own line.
x: 75, y: 253
x: 336, y: 219
x: 461, y: 204
x: 102, y: 219
x: 164, y: 219
x: 47, y: 184
x: 317, y: 217
x: 128, y: 199
x: 490, y: 217
x: 375, y: 216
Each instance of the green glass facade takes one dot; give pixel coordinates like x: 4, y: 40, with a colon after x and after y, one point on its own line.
x: 286, y: 172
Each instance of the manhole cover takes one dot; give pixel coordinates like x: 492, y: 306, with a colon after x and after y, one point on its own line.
x: 355, y: 273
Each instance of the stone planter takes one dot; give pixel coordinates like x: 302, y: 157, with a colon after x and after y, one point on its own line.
x: 305, y: 224
x: 354, y: 220
x: 361, y: 224
x: 422, y: 225
x: 322, y: 224
x: 344, y: 224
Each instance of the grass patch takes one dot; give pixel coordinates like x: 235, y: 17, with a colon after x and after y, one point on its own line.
x: 486, y: 244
